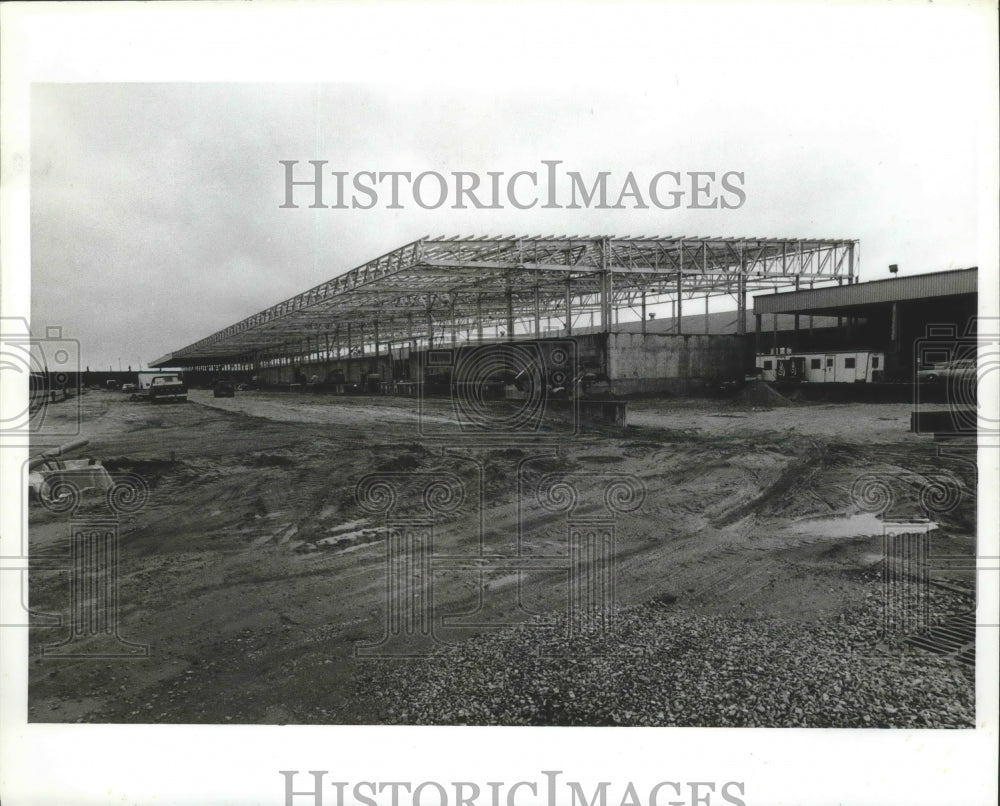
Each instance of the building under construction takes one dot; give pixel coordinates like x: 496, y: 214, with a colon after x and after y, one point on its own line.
x: 481, y: 309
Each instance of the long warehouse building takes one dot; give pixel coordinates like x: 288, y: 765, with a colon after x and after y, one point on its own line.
x: 416, y: 313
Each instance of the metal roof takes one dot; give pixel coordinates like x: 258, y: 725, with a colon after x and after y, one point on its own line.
x: 437, y: 285
x: 878, y: 292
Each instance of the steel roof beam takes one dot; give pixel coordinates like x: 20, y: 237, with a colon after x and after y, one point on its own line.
x: 497, y: 279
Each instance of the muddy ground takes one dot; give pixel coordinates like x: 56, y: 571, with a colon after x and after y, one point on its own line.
x: 256, y: 576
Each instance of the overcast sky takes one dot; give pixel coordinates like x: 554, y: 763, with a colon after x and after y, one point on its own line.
x: 155, y: 207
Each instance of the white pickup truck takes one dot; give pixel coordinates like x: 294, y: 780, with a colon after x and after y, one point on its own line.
x: 161, y: 387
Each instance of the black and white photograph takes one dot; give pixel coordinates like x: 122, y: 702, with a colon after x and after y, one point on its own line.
x: 492, y: 403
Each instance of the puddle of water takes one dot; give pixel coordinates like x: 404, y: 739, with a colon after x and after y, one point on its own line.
x: 343, y: 527
x: 864, y: 524
x: 339, y: 538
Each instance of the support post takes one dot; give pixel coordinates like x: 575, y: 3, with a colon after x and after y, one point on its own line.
x: 510, y: 313
x: 679, y: 312
x: 569, y: 309
x: 538, y: 311
x: 606, y: 289
x: 795, y: 337
x: 611, y: 299
x: 811, y: 285
x: 741, y: 297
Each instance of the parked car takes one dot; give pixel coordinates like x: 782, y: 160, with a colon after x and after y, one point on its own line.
x: 130, y: 387
x: 959, y: 369
x: 223, y: 389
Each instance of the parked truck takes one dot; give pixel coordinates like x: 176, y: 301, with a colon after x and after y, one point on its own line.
x: 160, y: 387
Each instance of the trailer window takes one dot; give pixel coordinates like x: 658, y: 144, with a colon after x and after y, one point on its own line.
x: 829, y: 362
x: 874, y: 362
x: 814, y: 364
x: 848, y: 363
x: 768, y: 365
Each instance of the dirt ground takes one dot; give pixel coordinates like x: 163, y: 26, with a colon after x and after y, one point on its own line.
x: 253, y: 572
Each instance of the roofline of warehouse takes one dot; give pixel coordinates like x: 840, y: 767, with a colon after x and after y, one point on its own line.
x: 426, y: 287
x: 953, y: 282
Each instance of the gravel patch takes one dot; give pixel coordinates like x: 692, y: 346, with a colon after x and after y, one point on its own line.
x: 662, y: 667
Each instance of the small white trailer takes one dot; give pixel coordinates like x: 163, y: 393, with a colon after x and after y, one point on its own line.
x: 830, y: 366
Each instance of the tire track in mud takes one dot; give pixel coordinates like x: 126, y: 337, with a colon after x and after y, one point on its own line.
x: 767, y: 497
x: 764, y: 523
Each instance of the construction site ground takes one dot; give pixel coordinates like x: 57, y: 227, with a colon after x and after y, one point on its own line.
x: 253, y: 573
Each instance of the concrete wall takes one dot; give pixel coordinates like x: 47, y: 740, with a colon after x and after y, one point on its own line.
x: 660, y: 362
x: 354, y: 370
x: 634, y: 363
x: 552, y: 355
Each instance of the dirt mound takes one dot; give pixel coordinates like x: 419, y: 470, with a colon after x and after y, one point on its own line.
x: 401, y: 463
x: 151, y: 470
x: 759, y: 394
x: 271, y: 460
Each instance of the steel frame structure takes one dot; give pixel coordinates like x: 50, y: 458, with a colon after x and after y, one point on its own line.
x: 438, y: 291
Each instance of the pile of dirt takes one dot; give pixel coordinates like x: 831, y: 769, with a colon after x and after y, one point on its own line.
x: 760, y: 394
x: 152, y: 471
x: 270, y: 460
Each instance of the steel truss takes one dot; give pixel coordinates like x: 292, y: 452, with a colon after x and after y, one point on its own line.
x: 439, y: 291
